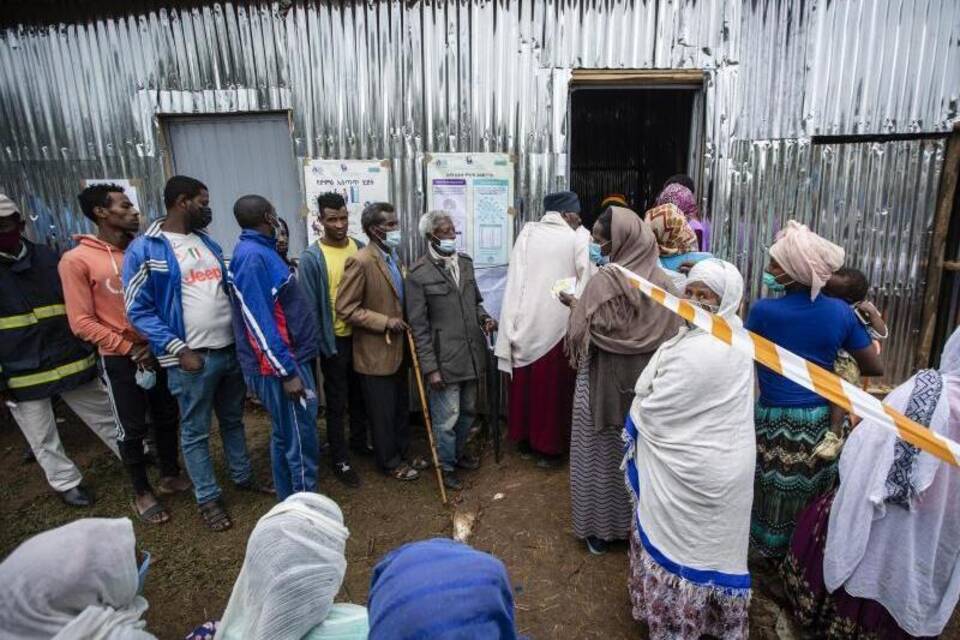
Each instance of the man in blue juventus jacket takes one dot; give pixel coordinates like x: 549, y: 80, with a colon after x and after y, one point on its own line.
x: 277, y: 338
x: 176, y: 297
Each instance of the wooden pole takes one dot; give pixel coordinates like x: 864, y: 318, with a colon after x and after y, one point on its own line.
x: 938, y: 241
x: 426, y: 414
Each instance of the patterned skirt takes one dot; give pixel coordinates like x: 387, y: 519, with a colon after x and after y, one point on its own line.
x: 600, y: 500
x: 676, y: 609
x: 788, y: 476
x: 836, y: 616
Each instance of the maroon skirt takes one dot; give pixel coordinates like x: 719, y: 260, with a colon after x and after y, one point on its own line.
x: 541, y: 403
x: 837, y: 615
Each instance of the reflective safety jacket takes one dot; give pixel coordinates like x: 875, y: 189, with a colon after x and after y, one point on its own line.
x: 39, y: 355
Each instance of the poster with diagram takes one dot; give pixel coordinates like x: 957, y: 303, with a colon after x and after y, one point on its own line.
x: 476, y: 189
x: 360, y: 182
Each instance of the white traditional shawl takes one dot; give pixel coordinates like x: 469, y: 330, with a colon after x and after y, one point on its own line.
x: 532, y: 321
x: 694, y: 451
x: 291, y: 574
x: 908, y: 560
x: 75, y: 581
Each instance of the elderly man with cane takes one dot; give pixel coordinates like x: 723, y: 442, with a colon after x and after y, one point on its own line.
x: 448, y: 323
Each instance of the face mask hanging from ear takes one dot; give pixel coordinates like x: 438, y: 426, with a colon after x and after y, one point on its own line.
x: 772, y: 285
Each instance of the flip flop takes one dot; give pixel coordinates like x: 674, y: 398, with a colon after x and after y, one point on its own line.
x: 146, y: 516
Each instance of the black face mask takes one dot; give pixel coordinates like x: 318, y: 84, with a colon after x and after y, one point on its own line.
x: 201, y: 218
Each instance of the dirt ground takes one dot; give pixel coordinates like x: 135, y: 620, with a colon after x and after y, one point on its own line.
x: 518, y: 511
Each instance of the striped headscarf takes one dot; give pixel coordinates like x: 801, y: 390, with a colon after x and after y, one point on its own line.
x: 440, y: 589
x: 674, y: 235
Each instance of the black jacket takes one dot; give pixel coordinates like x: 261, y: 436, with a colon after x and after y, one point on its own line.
x: 39, y: 355
x: 446, y: 320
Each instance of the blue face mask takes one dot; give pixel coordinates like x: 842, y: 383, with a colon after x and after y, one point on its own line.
x: 596, y: 254
x: 446, y: 246
x: 772, y: 284
x: 142, y: 572
x: 392, y: 238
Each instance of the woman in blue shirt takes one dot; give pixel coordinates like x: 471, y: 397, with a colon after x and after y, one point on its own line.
x: 790, y: 420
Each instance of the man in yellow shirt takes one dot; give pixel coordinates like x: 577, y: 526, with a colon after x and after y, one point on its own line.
x: 321, y: 268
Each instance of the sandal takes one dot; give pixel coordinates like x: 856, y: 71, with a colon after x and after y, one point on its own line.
x: 156, y: 514
x: 169, y: 485
x: 215, y: 515
x: 405, y: 473
x: 420, y: 463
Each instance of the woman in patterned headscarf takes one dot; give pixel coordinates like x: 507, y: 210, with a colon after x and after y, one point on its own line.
x: 679, y: 190
x: 675, y: 238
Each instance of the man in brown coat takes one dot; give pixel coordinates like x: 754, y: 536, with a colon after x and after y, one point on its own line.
x: 370, y: 299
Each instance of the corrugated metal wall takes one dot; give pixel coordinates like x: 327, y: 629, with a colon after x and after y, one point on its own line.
x: 400, y: 79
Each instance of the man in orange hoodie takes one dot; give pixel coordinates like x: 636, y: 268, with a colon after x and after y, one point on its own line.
x: 93, y: 294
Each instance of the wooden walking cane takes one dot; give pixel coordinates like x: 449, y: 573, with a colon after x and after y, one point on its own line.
x: 426, y: 414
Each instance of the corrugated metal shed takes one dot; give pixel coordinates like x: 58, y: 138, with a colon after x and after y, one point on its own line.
x: 400, y: 79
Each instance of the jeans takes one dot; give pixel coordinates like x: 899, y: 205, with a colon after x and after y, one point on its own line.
x: 452, y: 412
x: 341, y: 386
x: 130, y: 407
x: 39, y: 426
x: 219, y: 387
x: 294, y: 446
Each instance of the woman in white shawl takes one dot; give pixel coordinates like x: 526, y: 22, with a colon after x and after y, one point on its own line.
x: 291, y: 574
x: 76, y: 581
x: 881, y: 557
x: 690, y: 464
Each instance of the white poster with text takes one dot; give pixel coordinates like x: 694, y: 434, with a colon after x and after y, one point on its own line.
x: 360, y: 182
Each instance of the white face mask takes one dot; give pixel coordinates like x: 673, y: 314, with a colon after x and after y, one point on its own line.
x: 146, y: 378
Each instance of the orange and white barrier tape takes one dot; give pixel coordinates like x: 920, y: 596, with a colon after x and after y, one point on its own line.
x: 806, y: 374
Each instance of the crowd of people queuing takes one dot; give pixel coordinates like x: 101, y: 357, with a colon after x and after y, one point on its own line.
x: 147, y: 336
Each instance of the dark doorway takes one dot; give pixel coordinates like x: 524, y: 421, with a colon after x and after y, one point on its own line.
x: 628, y: 140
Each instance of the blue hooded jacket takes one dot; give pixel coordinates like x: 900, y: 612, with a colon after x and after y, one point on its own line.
x: 274, y: 326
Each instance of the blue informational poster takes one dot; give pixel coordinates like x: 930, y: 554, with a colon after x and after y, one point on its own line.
x: 477, y: 190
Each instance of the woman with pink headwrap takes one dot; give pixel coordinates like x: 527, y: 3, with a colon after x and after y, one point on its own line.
x: 790, y: 420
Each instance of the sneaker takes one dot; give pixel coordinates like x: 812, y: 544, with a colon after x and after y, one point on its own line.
x: 596, y: 546
x: 468, y: 462
x: 451, y: 481
x: 343, y: 472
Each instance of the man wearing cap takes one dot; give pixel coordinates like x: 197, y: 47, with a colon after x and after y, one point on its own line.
x: 41, y: 358
x: 533, y: 323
